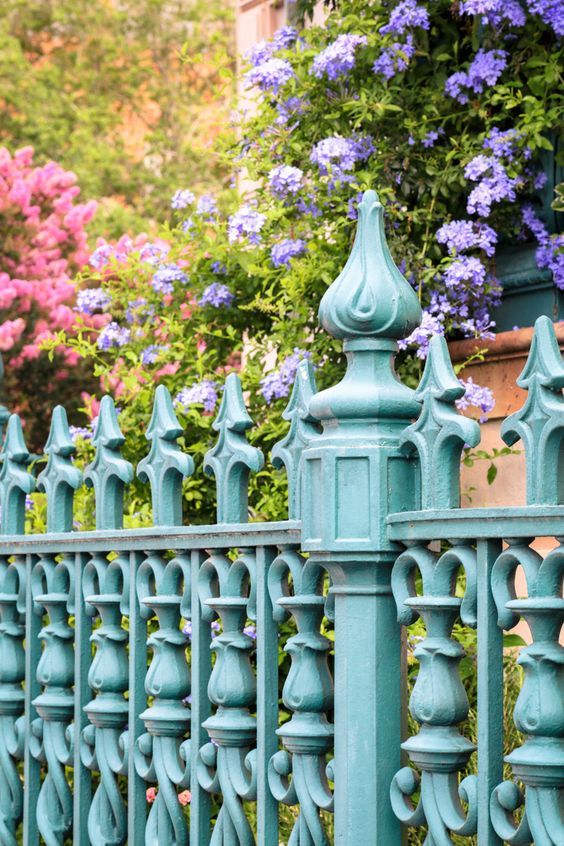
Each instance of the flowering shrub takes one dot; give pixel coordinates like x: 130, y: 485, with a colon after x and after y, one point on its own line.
x: 445, y: 109
x: 43, y: 245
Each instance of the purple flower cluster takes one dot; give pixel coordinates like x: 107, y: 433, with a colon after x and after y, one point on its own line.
x: 204, y: 393
x: 217, y: 295
x: 406, y: 15
x: 550, y: 251
x: 182, y: 198
x: 271, y: 75
x: 495, y: 12
x: 246, y: 224
x: 477, y: 396
x: 289, y: 109
x: 151, y: 353
x: 493, y: 184
x: 137, y: 310
x: 485, y: 69
x: 395, y: 58
x: 462, y: 235
x: 431, y: 324
x: 77, y: 432
x: 278, y: 383
x: 338, y: 156
x: 502, y: 142
x: 101, y: 256
x: 284, y: 180
x: 285, y: 250
x: 338, y: 59
x: 113, y: 335
x: 207, y: 207
x: 165, y: 277
x: 154, y: 253
x: 282, y: 39
x: 90, y: 300
x: 551, y: 12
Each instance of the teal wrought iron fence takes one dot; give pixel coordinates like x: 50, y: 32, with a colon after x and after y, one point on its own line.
x: 112, y: 683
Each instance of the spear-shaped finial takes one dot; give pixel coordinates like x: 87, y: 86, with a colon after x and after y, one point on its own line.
x: 370, y: 298
x: 540, y: 422
x: 287, y: 452
x: 166, y: 465
x: 15, y: 481
x: 60, y: 478
x: 232, y: 458
x: 109, y: 472
x: 440, y: 433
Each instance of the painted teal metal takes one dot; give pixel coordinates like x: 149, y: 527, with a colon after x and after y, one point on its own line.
x: 148, y: 659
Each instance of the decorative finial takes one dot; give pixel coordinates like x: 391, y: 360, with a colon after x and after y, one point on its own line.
x: 109, y: 472
x: 60, y: 478
x: 540, y: 422
x: 166, y: 465
x: 440, y: 433
x: 303, y: 427
x: 370, y: 298
x: 232, y: 458
x: 15, y: 481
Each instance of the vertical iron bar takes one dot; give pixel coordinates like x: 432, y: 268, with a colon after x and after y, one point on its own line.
x: 267, y: 701
x: 136, y: 788
x: 200, y: 803
x: 490, y: 692
x: 82, y: 694
x: 32, y: 774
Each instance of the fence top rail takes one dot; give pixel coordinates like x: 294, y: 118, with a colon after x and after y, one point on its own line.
x: 528, y: 521
x: 222, y: 536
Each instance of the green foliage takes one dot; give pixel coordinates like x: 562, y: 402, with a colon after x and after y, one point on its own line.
x: 125, y: 94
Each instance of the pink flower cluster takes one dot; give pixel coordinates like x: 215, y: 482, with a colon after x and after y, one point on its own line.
x: 44, y: 244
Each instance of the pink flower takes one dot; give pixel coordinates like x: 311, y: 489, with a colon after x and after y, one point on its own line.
x: 10, y: 332
x: 151, y: 794
x: 184, y: 797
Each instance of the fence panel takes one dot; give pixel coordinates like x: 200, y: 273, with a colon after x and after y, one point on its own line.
x: 245, y: 683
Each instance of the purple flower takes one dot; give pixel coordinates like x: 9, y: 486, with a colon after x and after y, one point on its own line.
x: 151, y: 353
x: 477, y: 396
x: 246, y: 224
x: 207, y: 206
x: 288, y: 109
x: 165, y: 277
x: 486, y: 68
x: 405, y: 15
x: 250, y: 631
x: 271, y: 75
x: 551, y: 12
x: 277, y: 384
x: 153, y: 253
x: 494, y: 12
x: 284, y: 38
x: 502, y: 142
x: 494, y: 185
x: 204, y: 393
x: 339, y: 57
x: 182, y: 198
x: 136, y: 311
x: 465, y: 269
x: 461, y: 235
x: 284, y: 180
x: 217, y: 295
x: 90, y: 300
x: 113, y: 335
x: 395, y: 58
x: 339, y: 155
x: 77, y: 432
x: 430, y: 139
x: 101, y: 256
x: 285, y: 250
x: 540, y: 180
x: 219, y: 267
x: 430, y: 325
x: 260, y: 52
x: 550, y: 251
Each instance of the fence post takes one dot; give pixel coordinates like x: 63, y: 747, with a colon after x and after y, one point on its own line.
x: 354, y: 476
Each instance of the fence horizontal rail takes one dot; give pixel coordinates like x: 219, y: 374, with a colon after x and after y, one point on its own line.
x: 529, y: 521
x: 162, y: 537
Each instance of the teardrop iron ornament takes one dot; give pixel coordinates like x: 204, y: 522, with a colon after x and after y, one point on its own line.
x: 370, y: 298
